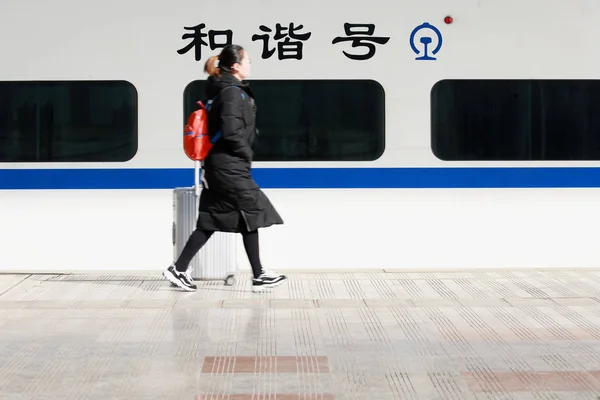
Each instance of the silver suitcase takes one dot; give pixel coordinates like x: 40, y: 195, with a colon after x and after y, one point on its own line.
x: 217, y: 259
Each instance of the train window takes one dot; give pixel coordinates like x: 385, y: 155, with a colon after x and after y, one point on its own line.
x: 313, y: 120
x: 505, y: 120
x: 67, y: 121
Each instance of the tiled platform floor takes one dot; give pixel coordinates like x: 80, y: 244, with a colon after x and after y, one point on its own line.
x: 375, y: 336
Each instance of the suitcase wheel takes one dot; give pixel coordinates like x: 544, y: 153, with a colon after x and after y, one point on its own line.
x: 230, y: 280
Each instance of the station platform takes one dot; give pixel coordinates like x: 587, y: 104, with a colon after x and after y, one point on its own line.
x: 510, y: 334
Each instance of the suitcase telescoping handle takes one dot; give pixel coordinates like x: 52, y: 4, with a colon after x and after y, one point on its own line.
x: 197, y: 178
x: 197, y: 185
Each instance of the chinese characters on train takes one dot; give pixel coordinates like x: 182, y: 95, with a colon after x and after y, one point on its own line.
x: 284, y: 41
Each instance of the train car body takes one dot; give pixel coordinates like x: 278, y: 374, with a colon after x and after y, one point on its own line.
x: 390, y: 136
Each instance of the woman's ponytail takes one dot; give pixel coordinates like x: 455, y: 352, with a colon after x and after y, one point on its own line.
x: 210, y: 66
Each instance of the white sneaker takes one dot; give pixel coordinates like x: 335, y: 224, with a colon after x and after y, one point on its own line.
x: 268, y: 279
x: 180, y: 279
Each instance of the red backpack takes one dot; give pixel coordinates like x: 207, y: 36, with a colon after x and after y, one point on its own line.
x: 196, y: 141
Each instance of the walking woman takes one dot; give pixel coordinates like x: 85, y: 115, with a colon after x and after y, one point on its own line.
x: 230, y: 200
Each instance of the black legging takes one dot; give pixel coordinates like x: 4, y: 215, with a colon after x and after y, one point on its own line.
x: 198, y: 238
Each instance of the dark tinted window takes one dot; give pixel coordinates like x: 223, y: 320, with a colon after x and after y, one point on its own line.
x: 75, y: 121
x: 314, y: 120
x: 516, y: 120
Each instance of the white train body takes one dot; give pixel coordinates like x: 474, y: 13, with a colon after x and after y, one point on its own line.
x: 402, y: 208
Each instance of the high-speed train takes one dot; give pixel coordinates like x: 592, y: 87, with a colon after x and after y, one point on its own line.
x: 405, y: 135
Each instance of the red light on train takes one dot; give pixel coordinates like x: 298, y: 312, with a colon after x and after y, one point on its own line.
x: 448, y: 20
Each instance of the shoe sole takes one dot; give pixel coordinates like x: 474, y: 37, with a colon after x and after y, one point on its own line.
x: 261, y: 288
x: 171, y: 278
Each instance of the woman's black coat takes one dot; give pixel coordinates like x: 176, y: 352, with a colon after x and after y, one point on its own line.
x: 231, y: 201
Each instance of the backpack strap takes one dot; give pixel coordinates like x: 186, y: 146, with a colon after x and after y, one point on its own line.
x: 210, y: 102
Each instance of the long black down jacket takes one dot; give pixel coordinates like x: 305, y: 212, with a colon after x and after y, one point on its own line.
x: 231, y: 201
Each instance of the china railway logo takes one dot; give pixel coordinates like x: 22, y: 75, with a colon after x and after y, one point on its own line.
x: 426, y: 41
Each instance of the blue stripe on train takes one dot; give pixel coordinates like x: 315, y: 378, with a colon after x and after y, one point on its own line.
x: 163, y: 178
